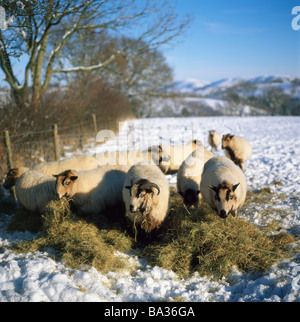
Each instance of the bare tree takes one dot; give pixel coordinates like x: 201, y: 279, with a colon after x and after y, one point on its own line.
x: 31, y: 24
x: 141, y: 75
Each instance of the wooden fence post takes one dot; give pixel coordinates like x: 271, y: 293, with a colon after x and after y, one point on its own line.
x: 95, y: 124
x: 8, y: 151
x: 56, y: 142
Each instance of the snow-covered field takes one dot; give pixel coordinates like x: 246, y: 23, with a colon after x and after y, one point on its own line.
x: 276, y: 157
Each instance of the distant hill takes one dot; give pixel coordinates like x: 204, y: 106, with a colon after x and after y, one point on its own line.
x: 260, y: 95
x: 290, y: 85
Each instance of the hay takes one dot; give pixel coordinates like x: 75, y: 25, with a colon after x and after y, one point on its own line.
x: 200, y: 241
x: 191, y: 240
x: 78, y: 241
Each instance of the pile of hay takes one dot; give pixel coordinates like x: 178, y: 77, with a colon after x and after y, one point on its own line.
x: 190, y: 241
x: 79, y: 241
x: 200, y: 241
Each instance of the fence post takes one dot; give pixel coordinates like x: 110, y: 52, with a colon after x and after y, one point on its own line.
x: 95, y: 124
x: 56, y: 142
x: 8, y: 151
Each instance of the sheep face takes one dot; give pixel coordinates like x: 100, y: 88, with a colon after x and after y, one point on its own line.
x: 11, y: 177
x: 65, y: 183
x: 212, y: 134
x: 225, y: 199
x: 158, y: 154
x: 142, y: 194
x: 226, y: 139
x: 191, y: 197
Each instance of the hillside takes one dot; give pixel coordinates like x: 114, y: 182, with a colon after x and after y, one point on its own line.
x: 260, y: 95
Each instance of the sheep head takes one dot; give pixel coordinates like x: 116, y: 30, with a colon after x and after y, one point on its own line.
x: 65, y: 183
x: 158, y: 154
x: 226, y: 139
x: 190, y: 197
x: 142, y: 193
x: 212, y: 133
x: 225, y: 199
x: 11, y: 177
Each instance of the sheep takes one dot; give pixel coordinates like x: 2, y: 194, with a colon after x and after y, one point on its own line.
x: 93, y: 191
x: 152, y: 155
x: 237, y: 148
x: 177, y: 154
x: 214, y: 139
x: 146, y: 195
x: 13, y: 175
x: 79, y: 163
x: 189, y: 176
x: 223, y: 186
x: 34, y: 189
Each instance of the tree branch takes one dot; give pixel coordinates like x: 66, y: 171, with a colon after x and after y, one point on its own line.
x: 91, y: 68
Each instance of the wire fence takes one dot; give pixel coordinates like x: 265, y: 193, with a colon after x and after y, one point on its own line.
x: 31, y: 148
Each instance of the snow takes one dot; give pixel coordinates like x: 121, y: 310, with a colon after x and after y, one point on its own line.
x: 263, y: 83
x: 35, y: 276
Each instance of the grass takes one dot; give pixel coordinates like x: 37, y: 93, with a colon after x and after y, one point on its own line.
x: 190, y: 241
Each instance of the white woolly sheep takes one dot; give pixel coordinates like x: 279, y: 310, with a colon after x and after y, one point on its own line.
x: 177, y: 154
x: 223, y: 186
x: 214, y: 139
x: 34, y: 189
x: 153, y: 155
x: 189, y: 176
x: 237, y: 148
x: 93, y: 191
x: 147, y: 196
x: 79, y: 163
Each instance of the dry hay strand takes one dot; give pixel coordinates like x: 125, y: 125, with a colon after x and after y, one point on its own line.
x: 197, y: 240
x: 78, y: 241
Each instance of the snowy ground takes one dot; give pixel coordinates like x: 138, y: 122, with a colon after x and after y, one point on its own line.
x: 276, y: 157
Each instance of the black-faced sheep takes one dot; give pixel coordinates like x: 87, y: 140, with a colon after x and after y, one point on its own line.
x: 147, y: 197
x: 78, y: 163
x: 93, y: 191
x: 189, y: 176
x: 34, y: 189
x: 223, y: 186
x: 237, y: 148
x: 214, y: 139
x: 13, y: 175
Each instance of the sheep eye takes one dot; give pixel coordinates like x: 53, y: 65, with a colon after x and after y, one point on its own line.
x: 67, y: 183
x: 230, y: 197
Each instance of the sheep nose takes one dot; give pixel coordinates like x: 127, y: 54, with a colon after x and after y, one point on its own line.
x: 223, y: 214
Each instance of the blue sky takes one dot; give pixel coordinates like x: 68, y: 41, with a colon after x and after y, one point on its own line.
x: 230, y: 38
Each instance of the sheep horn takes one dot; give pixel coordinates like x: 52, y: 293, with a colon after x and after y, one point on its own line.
x: 147, y: 185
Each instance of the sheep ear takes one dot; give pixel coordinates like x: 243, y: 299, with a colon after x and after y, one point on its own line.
x: 214, y: 188
x: 128, y: 187
x: 73, y: 178
x: 55, y: 176
x: 197, y: 192
x: 235, y: 186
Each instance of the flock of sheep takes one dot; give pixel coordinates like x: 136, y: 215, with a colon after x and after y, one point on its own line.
x: 136, y: 181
